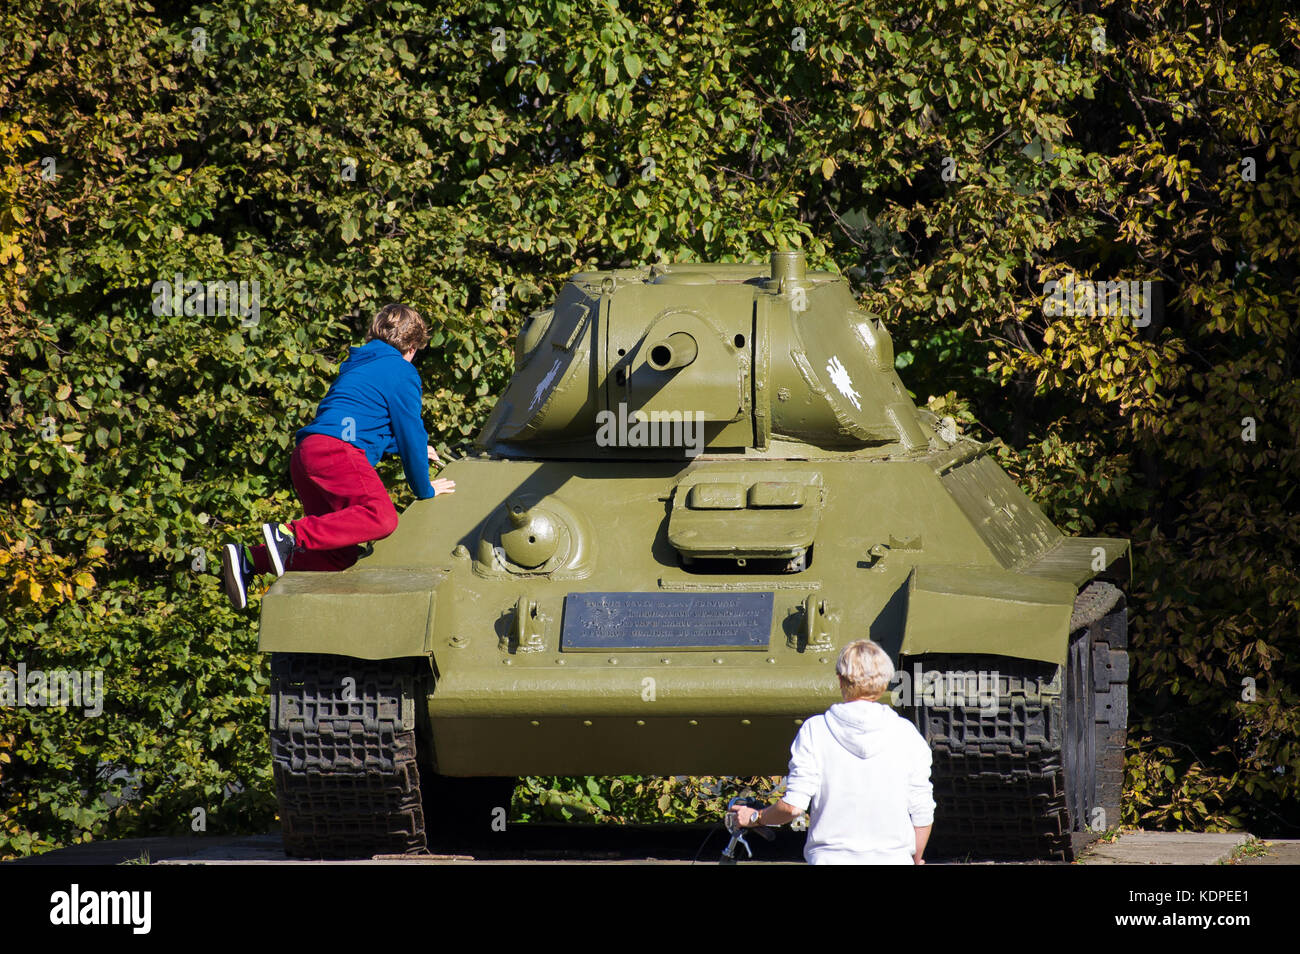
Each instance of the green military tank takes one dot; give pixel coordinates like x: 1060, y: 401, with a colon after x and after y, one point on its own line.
x: 701, y: 482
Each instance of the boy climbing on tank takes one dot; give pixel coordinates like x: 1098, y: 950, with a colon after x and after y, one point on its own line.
x: 371, y: 409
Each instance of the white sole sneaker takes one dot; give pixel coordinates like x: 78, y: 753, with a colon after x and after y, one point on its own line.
x: 233, y: 574
x: 270, y: 533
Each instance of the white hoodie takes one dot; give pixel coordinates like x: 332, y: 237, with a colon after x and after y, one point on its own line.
x: 862, y: 772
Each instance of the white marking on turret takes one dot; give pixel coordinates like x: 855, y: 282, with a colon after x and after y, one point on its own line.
x: 843, y: 383
x: 544, y: 384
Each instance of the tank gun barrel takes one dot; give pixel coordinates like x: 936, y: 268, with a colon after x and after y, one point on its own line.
x: 676, y: 351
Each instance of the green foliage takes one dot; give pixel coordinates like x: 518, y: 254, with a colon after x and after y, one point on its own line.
x: 1159, y: 797
x: 488, y: 166
x: 627, y: 799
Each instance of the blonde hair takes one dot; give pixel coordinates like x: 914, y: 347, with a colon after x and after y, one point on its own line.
x: 401, y: 326
x: 864, y: 669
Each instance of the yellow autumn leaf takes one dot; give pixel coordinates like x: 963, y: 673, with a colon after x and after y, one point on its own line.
x: 829, y: 166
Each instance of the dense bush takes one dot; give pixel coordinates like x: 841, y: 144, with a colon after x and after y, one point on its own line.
x: 951, y: 157
x: 624, y: 799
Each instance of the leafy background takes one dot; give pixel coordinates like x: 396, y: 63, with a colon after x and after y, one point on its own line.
x: 499, y: 147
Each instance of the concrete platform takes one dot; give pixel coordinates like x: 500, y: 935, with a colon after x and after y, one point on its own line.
x: 642, y: 846
x: 1165, y: 848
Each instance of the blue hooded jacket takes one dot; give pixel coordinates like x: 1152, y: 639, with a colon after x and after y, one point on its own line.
x: 374, y: 405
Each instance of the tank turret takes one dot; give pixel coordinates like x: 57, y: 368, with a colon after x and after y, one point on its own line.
x: 770, y: 358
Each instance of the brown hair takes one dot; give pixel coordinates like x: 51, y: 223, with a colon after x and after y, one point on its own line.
x: 401, y: 326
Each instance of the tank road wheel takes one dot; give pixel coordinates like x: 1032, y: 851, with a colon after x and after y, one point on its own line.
x: 343, y: 754
x: 1050, y: 761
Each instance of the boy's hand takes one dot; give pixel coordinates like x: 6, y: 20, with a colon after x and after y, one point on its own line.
x: 444, y: 486
x: 433, y: 456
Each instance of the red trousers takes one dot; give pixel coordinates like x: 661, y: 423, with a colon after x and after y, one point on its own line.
x: 345, y: 504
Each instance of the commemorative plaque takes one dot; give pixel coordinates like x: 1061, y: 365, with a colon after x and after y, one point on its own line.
x: 606, y: 621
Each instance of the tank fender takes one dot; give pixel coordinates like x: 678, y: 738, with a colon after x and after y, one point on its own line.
x: 978, y: 609
x: 370, y: 613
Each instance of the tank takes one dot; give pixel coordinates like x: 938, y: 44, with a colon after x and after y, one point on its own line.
x: 701, y: 481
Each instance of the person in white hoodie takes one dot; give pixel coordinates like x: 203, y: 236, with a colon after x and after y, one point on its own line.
x: 861, y: 771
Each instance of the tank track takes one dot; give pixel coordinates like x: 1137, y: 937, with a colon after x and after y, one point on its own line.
x: 343, y: 756
x: 1000, y: 781
x: 1108, y: 631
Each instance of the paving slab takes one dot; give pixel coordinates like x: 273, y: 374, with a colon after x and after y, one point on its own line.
x: 1279, y: 851
x: 162, y: 848
x: 1165, y: 848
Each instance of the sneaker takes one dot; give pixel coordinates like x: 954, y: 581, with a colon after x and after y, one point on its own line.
x: 279, y: 545
x: 237, y: 569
